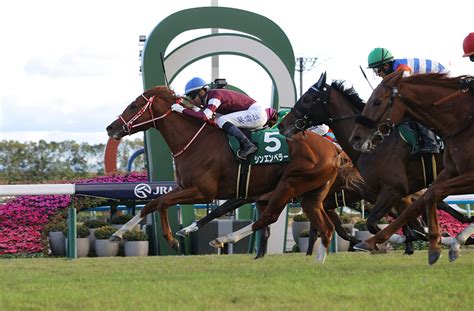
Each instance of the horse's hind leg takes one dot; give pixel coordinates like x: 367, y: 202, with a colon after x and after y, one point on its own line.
x: 265, y: 232
x: 313, y: 235
x: 312, y: 204
x: 332, y: 214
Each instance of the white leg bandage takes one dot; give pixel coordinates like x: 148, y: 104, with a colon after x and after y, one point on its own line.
x: 465, y: 234
x: 128, y: 226
x: 237, y: 235
x: 187, y: 230
x: 321, y: 253
x: 397, y: 239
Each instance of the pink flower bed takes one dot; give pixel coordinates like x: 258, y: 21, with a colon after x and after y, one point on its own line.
x: 449, y: 224
x: 23, y: 218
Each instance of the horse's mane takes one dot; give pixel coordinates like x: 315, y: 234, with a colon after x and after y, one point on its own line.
x: 441, y: 79
x: 164, y: 93
x: 349, y: 93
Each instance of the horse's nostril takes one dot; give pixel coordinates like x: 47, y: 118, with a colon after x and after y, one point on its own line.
x: 108, y: 128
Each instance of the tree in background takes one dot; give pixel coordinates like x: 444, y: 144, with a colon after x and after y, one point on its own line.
x: 36, y: 162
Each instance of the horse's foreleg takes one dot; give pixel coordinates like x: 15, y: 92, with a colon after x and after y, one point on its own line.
x: 461, y: 184
x: 434, y: 251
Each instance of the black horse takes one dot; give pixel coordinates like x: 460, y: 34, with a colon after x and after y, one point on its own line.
x: 391, y: 173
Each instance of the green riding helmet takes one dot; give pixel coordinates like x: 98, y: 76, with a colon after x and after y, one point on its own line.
x: 378, y: 57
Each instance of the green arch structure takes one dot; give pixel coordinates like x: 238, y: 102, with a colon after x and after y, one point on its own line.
x: 159, y: 160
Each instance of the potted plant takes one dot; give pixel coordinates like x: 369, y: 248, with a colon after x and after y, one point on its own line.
x: 300, y: 223
x: 347, y: 224
x: 120, y: 219
x: 136, y: 243
x: 104, y: 247
x: 383, y: 222
x: 303, y: 241
x: 56, y: 237
x: 362, y: 233
x: 93, y: 224
x: 83, y: 244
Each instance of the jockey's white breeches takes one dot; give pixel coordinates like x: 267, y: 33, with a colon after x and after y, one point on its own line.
x: 321, y: 129
x: 252, y: 118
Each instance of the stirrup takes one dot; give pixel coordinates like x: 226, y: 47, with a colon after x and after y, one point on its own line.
x: 243, y: 155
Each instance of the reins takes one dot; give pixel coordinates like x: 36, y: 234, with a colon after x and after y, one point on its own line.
x: 129, y: 125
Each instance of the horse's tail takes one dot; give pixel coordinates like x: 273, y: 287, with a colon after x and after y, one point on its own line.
x: 347, y: 171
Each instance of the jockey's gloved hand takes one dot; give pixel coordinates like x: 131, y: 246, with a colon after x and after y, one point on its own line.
x: 177, y: 108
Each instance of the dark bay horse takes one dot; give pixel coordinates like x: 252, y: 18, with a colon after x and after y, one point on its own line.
x: 206, y: 169
x: 391, y: 174
x: 429, y: 100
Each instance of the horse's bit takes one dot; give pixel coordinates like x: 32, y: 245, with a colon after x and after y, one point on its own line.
x: 128, y: 125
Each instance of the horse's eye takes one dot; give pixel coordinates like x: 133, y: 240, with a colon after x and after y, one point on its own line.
x: 377, y: 102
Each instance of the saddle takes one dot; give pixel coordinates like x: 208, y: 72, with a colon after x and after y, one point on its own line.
x: 422, y: 140
x: 272, y: 146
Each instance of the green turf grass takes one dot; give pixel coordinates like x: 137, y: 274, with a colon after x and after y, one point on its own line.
x: 347, y: 281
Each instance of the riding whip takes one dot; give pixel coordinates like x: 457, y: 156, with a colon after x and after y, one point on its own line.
x: 164, y: 71
x: 365, y: 76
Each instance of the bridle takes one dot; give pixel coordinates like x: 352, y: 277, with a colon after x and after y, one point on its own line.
x: 383, y: 128
x: 128, y: 125
x: 304, y: 120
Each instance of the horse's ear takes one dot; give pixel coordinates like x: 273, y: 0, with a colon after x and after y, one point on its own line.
x: 321, y: 82
x: 393, y: 78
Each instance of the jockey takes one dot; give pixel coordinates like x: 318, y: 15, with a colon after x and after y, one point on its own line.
x: 324, y: 131
x: 228, y: 110
x: 383, y: 63
x: 467, y: 83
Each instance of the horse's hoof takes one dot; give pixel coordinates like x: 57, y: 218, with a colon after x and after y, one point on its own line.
x: 216, y: 243
x: 454, y: 252
x: 363, y: 247
x: 433, y: 256
x: 115, y: 238
x: 175, y: 245
x: 321, y: 258
x: 321, y: 254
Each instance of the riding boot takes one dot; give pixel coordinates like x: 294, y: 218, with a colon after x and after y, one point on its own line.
x: 246, y: 146
x: 427, y: 140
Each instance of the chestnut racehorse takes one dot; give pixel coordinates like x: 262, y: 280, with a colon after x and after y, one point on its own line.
x: 206, y: 168
x: 435, y: 101
x: 386, y: 186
